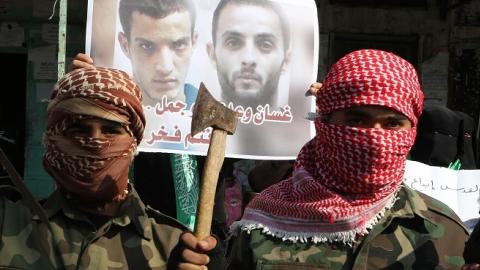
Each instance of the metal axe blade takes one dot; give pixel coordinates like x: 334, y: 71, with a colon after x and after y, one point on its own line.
x: 208, y: 112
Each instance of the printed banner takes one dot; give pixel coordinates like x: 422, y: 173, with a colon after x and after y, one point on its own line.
x: 257, y: 58
x: 457, y: 189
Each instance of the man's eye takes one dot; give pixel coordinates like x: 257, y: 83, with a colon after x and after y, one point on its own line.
x: 266, y: 46
x: 394, y: 124
x: 147, y: 47
x: 179, y: 45
x: 233, y: 43
x: 113, y: 130
x: 75, y: 131
x: 355, y: 122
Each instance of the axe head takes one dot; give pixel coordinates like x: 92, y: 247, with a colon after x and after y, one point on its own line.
x: 208, y: 112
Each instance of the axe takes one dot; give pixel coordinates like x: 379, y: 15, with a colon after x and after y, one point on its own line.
x: 208, y: 112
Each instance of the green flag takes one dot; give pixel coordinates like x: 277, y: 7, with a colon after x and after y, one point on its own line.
x: 186, y: 182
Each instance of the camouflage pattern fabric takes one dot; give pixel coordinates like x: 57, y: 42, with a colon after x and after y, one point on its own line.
x: 137, y: 238
x: 418, y: 232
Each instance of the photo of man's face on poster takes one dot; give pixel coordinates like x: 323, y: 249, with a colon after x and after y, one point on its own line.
x: 250, y: 55
x: 242, y: 50
x: 158, y: 38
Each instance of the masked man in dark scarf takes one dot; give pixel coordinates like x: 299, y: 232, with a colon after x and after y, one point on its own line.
x: 95, y: 219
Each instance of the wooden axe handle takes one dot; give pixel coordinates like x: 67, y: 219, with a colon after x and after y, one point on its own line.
x: 211, y: 170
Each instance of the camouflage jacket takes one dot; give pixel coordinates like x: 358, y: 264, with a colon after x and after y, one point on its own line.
x: 419, y: 232
x: 137, y: 238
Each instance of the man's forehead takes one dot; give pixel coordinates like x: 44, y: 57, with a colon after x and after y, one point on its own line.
x: 239, y: 18
x: 177, y: 19
x: 169, y: 29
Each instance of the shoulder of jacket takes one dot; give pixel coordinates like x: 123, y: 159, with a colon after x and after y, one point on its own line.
x: 435, y: 207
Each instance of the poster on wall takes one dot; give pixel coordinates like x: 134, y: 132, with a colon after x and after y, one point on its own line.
x: 256, y: 57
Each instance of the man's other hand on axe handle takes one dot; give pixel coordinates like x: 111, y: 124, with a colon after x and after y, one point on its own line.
x: 197, y: 250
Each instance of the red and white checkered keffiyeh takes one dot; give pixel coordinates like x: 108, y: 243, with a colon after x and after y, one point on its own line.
x: 93, y: 170
x: 345, y: 178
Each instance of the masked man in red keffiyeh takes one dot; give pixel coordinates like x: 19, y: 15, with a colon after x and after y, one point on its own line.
x: 345, y: 206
